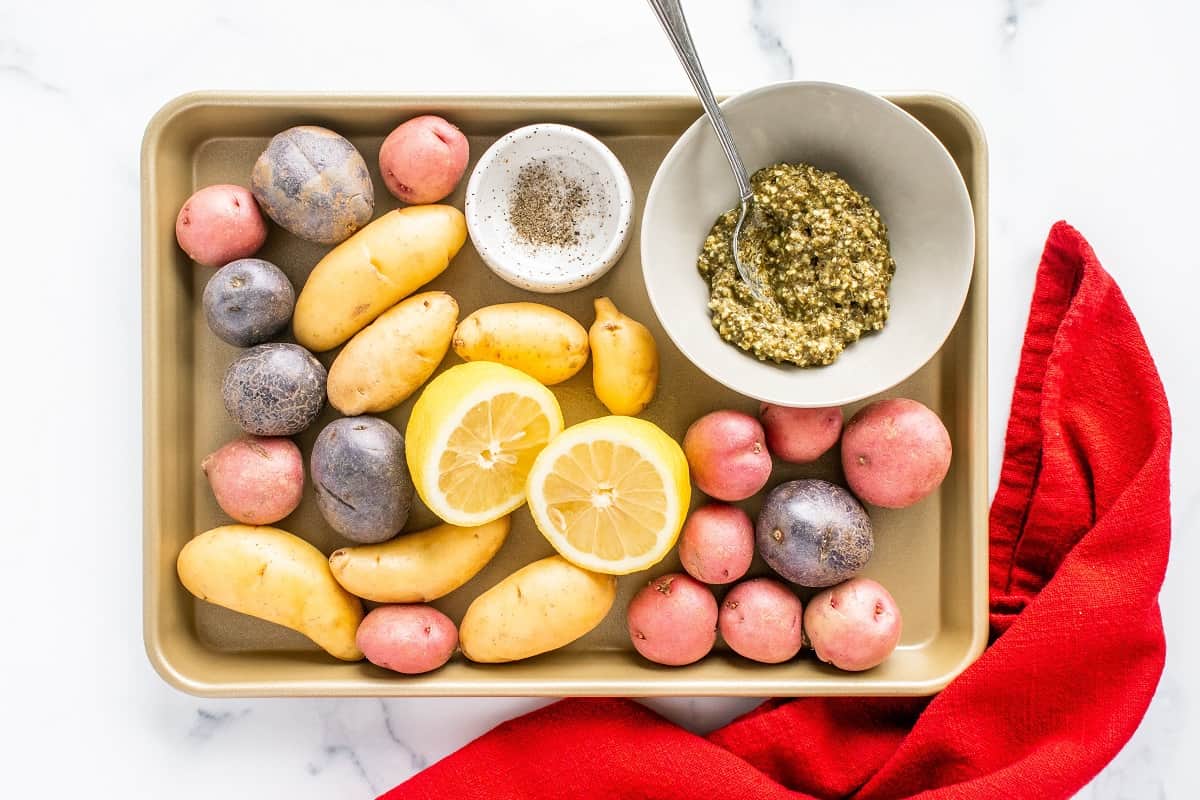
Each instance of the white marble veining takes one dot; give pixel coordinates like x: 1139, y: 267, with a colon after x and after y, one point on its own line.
x: 1090, y: 110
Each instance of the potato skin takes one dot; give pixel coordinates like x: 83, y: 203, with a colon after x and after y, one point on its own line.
x: 540, y: 607
x: 418, y: 567
x: 717, y: 543
x: 407, y: 639
x: 761, y: 620
x: 537, y: 339
x: 219, y: 224
x: 256, y: 480
x: 423, y: 159
x: 895, y: 452
x: 853, y: 626
x: 800, y: 435
x: 813, y: 533
x: 314, y: 184
x: 624, y: 360
x: 727, y: 454
x: 361, y: 478
x: 392, y: 357
x: 248, y: 301
x: 274, y: 389
x: 379, y: 266
x: 273, y: 575
x: 673, y: 620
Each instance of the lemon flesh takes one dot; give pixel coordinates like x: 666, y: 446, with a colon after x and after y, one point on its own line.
x: 611, y: 494
x: 472, y: 439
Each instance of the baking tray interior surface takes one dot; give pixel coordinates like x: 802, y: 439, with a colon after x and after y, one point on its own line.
x: 932, y: 557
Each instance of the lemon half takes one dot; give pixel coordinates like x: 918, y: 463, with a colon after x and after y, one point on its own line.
x: 611, y: 494
x: 472, y: 438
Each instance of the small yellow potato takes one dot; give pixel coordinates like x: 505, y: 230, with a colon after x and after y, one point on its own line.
x: 273, y: 575
x: 418, y: 567
x: 624, y: 360
x: 540, y: 607
x: 392, y: 357
x: 537, y: 339
x: 373, y: 270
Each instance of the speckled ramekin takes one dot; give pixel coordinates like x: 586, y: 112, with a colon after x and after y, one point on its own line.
x: 605, y: 230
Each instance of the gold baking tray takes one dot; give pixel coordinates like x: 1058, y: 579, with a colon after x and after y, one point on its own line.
x: 932, y: 556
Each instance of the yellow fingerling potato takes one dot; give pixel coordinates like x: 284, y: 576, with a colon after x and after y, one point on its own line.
x: 418, y: 567
x: 373, y: 270
x: 538, y: 340
x: 624, y: 360
x: 540, y: 607
x: 271, y: 574
x: 392, y: 357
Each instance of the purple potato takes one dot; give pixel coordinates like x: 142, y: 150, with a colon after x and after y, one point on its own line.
x: 314, y: 184
x: 248, y: 301
x: 814, y: 533
x: 274, y: 389
x: 361, y: 478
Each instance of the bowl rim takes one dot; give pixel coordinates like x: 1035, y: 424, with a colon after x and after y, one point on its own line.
x: 661, y: 305
x: 589, y: 271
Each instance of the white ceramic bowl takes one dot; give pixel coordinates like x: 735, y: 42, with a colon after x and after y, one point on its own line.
x: 884, y: 153
x: 604, y: 230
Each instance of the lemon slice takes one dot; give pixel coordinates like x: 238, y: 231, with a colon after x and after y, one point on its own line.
x: 611, y: 494
x: 472, y: 438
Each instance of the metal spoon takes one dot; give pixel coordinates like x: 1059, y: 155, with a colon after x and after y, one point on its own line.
x: 670, y: 14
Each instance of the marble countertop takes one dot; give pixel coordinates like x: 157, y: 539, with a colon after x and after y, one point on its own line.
x: 1089, y: 108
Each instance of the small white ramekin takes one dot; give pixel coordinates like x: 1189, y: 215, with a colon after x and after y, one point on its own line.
x: 604, y: 232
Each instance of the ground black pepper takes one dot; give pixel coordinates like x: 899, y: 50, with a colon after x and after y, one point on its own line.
x: 546, y: 205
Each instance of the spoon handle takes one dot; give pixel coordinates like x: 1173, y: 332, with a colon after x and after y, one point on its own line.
x: 670, y: 14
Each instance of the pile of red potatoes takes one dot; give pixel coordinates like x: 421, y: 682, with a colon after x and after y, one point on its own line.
x: 811, y: 533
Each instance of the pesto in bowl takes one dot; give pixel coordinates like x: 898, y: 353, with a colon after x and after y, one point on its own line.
x: 820, y: 250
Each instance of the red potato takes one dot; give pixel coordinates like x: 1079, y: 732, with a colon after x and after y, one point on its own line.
x: 410, y: 639
x: 219, y: 224
x: 853, y: 626
x: 761, y: 620
x: 895, y: 452
x: 800, y: 435
x: 727, y: 454
x: 256, y: 480
x: 673, y: 620
x: 423, y: 159
x: 717, y: 543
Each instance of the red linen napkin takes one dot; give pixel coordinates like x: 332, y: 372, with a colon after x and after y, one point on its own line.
x: 1080, y: 528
